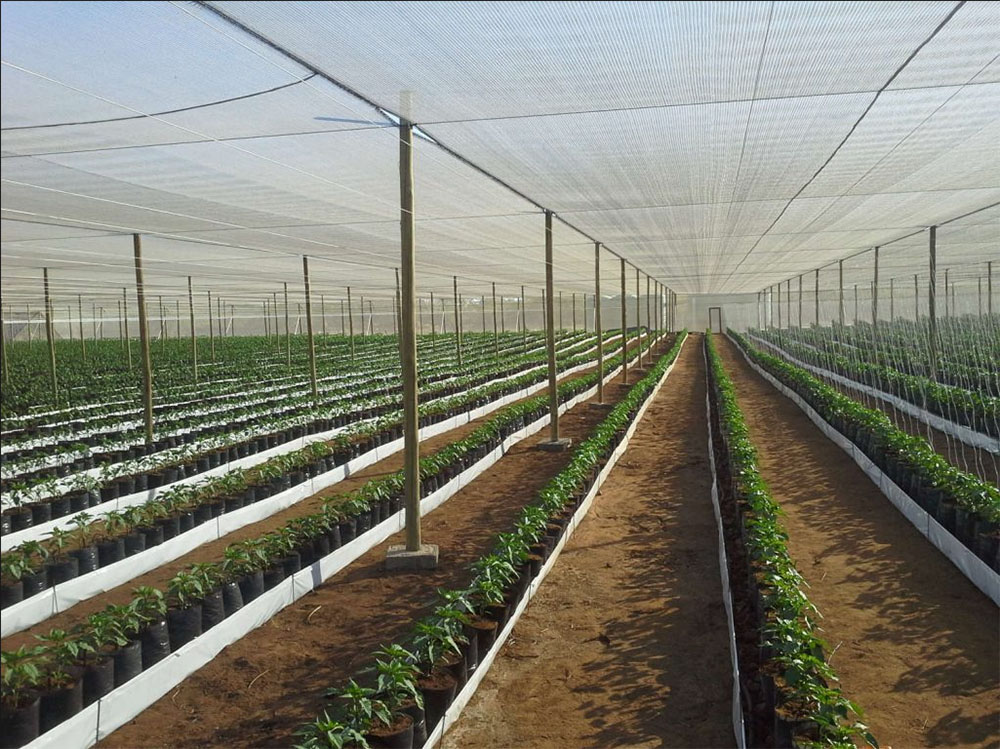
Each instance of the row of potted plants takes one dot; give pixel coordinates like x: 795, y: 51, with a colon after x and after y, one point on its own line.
x: 401, y: 698
x: 967, y: 506
x: 44, y: 501
x: 972, y: 408
x: 56, y: 460
x: 43, y: 686
x: 32, y: 567
x: 787, y: 685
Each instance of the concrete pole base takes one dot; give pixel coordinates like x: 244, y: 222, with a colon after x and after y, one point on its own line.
x: 398, y: 558
x: 556, y: 446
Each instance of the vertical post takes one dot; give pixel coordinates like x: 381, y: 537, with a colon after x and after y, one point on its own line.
x: 892, y: 300
x: 759, y: 315
x: 638, y: 321
x: 800, y: 301
x: 343, y: 322
x: 364, y: 325
x: 147, y: 365
x: 83, y: 340
x: 211, y: 326
x: 3, y: 347
x: 93, y: 316
x: 496, y: 338
x: 947, y: 310
x: 274, y: 320
x: 875, y: 293
x: 788, y: 303
x: 322, y: 314
x: 128, y: 338
x: 288, y: 332
x: 49, y: 336
x: 433, y: 326
x: 560, y: 314
x: 177, y: 315
x: 267, y: 321
x: 482, y: 304
x: 855, y: 304
x: 194, y: 339
x: 916, y: 298
x: 816, y: 295
x: 932, y: 300
x: 624, y: 328
x: 989, y: 288
x: 420, y: 313
x: 779, y: 306
x: 980, y: 279
x: 408, y: 344
x: 218, y: 316
x: 840, y: 267
x: 574, y: 312
x: 503, y: 318
x: 163, y: 327
x: 309, y: 331
x: 524, y: 323
x: 550, y: 334
x: 458, y: 327
x: 597, y: 322
x: 649, y: 328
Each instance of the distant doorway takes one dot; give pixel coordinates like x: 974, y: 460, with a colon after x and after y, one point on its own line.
x: 715, y: 319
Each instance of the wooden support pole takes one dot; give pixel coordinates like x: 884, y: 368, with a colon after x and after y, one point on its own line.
x: 892, y: 300
x: 560, y: 314
x: 458, y: 324
x: 916, y: 297
x: 788, y: 304
x: 840, y: 267
x: 288, y: 332
x: 980, y: 280
x: 177, y: 316
x: 855, y: 304
x: 433, y: 326
x: 482, y: 305
x: 779, y: 306
x: 989, y: 287
x: 211, y: 326
x: 816, y: 299
x: 128, y: 338
x: 503, y: 321
x: 83, y: 339
x: 147, y: 364
x: 364, y: 325
x: 218, y: 316
x: 49, y: 335
x: 93, y: 318
x: 947, y: 309
x: 550, y: 334
x: 524, y: 323
x: 343, y: 321
x: 800, y: 301
x: 322, y: 314
x: 3, y: 347
x: 267, y: 321
x: 597, y: 322
x: 496, y: 337
x: 309, y: 331
x: 371, y: 317
x: 274, y: 320
x: 875, y: 292
x: 408, y: 345
x: 163, y: 327
x: 932, y: 300
x: 574, y: 311
x: 624, y: 328
x: 649, y: 327
x: 194, y: 337
x: 638, y: 320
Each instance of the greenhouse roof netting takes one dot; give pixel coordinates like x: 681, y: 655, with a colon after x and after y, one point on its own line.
x: 719, y: 147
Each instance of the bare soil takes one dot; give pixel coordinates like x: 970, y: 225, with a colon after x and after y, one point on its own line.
x: 626, y: 643
x: 914, y: 642
x: 259, y: 690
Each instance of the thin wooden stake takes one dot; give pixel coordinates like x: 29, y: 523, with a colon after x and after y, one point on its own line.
x: 147, y: 364
x: 194, y: 337
x: 49, y: 336
x: 624, y: 328
x: 309, y: 330
x: 597, y: 322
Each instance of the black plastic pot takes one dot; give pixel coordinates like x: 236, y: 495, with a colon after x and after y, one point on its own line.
x: 98, y: 679
x: 35, y: 582
x: 202, y: 514
x: 185, y: 522
x: 21, y: 519
x: 127, y: 662
x: 233, y: 503
x: 135, y: 543
x: 154, y: 535
x: 60, y: 705
x: 419, y: 722
x: 21, y: 726
x: 79, y: 501
x: 438, y: 692
x: 11, y: 594
x: 184, y: 625
x: 155, y: 643
x: 251, y: 586
x: 41, y: 512
x: 109, y: 492
x: 273, y: 576
x: 213, y: 609
x: 232, y: 598
x: 348, y: 530
x: 400, y: 738
x: 62, y: 570
x: 109, y: 552
x: 86, y: 558
x: 291, y: 564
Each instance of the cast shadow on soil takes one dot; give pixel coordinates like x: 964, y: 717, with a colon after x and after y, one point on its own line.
x: 665, y: 677
x: 918, y: 597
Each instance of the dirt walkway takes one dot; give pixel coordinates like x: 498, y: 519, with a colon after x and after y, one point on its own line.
x: 626, y: 643
x: 914, y: 642
x: 259, y: 690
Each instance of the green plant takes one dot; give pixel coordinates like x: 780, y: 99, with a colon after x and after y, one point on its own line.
x: 21, y: 675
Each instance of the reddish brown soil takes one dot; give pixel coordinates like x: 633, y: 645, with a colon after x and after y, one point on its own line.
x: 259, y: 690
x: 914, y: 643
x: 641, y: 571
x: 213, y: 550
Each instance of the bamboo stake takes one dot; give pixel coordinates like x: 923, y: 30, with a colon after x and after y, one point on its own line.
x: 147, y: 365
x: 49, y: 335
x: 309, y: 330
